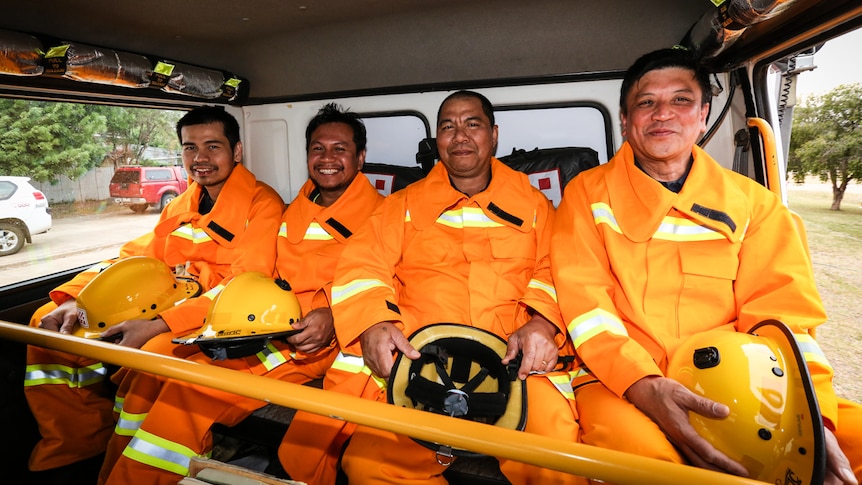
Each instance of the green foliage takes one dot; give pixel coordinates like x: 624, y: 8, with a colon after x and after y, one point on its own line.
x: 827, y: 139
x: 45, y: 139
x: 132, y: 130
x: 42, y: 139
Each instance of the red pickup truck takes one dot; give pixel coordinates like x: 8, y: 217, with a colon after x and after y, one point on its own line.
x: 139, y: 187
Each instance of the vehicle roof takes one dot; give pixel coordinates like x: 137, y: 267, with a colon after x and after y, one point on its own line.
x: 300, y: 49
x: 15, y: 178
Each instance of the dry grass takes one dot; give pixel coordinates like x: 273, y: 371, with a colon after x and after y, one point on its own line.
x: 835, y: 240
x: 60, y: 210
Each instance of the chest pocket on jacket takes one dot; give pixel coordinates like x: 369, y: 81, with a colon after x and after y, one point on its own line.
x: 709, y: 271
x: 513, y: 259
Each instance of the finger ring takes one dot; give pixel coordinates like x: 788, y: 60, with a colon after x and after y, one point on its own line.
x: 544, y: 362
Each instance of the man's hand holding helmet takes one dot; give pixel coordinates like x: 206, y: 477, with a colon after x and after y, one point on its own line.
x: 316, y: 331
x: 668, y: 403
x: 535, y: 341
x: 135, y: 333
x: 62, y: 319
x: 379, y: 344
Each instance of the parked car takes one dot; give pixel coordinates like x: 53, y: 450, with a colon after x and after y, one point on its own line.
x: 139, y: 187
x: 24, y: 212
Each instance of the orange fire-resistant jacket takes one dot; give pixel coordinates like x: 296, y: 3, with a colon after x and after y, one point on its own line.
x: 238, y: 235
x: 312, y: 237
x: 639, y: 268
x: 431, y: 254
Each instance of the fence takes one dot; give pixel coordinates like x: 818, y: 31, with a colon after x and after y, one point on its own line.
x: 93, y: 185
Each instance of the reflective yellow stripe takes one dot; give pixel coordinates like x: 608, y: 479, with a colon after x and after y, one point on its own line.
x: 670, y: 229
x: 118, y: 404
x: 271, y: 357
x: 195, y: 235
x: 466, y: 217
x: 160, y: 453
x: 811, y: 351
x: 211, y: 294
x: 315, y: 232
x: 40, y: 374
x: 678, y: 229
x: 592, y: 323
x: 563, y: 383
x: 129, y: 423
x: 602, y: 214
x: 355, y: 364
x: 344, y: 292
x: 542, y: 286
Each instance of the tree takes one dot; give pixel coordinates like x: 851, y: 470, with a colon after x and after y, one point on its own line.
x: 46, y: 139
x: 827, y: 139
x: 132, y: 130
x: 43, y: 139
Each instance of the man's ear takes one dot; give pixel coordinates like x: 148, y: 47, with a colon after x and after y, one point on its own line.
x: 704, y: 114
x: 360, y: 160
x: 237, y: 152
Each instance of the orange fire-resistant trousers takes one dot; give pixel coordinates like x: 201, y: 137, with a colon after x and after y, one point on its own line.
x: 849, y: 434
x: 373, y: 456
x: 312, y: 446
x: 65, y: 441
x: 599, y: 407
x: 184, y: 413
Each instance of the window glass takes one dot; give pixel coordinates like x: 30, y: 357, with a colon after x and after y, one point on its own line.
x: 159, y: 174
x: 79, y: 222
x: 572, y: 126
x: 126, y: 177
x: 6, y: 189
x: 394, y: 139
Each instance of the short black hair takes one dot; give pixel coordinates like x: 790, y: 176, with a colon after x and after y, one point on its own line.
x: 662, y: 59
x: 333, y: 113
x: 204, y: 115
x: 487, y: 107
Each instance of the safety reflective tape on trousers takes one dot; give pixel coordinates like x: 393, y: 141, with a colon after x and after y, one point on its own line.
x: 355, y: 364
x: 160, y: 453
x: 271, y: 357
x: 39, y: 374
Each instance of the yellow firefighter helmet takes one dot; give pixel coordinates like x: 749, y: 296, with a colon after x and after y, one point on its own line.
x: 774, y: 428
x: 459, y: 374
x: 137, y: 287
x: 249, y: 311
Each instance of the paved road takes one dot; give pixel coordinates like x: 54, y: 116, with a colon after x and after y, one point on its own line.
x: 74, y: 242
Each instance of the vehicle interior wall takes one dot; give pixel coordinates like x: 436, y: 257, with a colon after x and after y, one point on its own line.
x: 294, y: 48
x: 274, y: 134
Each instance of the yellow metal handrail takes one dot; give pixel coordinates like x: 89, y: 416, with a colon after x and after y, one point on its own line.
x: 575, y: 458
x: 770, y: 154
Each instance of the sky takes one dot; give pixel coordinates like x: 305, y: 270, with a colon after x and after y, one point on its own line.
x: 837, y: 63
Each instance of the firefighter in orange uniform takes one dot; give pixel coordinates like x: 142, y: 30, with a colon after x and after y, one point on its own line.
x: 224, y: 224
x: 167, y: 422
x: 662, y: 243
x: 468, y: 244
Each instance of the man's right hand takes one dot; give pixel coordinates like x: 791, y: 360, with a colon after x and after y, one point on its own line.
x: 379, y: 343
x: 63, y: 318
x: 668, y: 403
